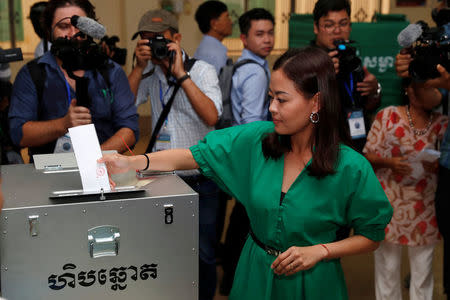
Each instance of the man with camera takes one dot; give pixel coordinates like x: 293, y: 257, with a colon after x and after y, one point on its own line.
x: 43, y: 107
x: 164, y: 72
x: 359, y: 89
x: 440, y: 79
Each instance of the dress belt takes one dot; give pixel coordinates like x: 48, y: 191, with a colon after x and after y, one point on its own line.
x: 269, y: 250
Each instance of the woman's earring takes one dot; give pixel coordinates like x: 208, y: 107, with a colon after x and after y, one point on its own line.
x: 314, y: 117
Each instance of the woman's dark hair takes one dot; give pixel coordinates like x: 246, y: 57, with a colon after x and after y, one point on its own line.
x: 208, y: 11
x: 255, y: 14
x: 53, y: 5
x: 312, y: 71
x: 323, y: 7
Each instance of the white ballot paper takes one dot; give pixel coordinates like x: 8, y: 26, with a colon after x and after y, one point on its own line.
x: 428, y: 155
x: 94, y: 176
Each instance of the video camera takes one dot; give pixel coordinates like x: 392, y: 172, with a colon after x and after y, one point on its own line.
x: 10, y: 55
x: 428, y: 46
x: 158, y: 45
x: 79, y: 55
x: 120, y: 54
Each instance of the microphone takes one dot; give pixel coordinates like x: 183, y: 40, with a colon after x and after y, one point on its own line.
x: 409, y: 35
x: 88, y: 26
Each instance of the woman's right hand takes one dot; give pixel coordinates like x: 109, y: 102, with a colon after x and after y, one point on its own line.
x: 400, y: 166
x: 116, y: 163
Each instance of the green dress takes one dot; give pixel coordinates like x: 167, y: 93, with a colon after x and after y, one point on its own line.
x: 311, y: 213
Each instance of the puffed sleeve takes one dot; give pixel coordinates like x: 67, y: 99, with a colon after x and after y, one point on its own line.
x: 369, y: 210
x: 225, y: 155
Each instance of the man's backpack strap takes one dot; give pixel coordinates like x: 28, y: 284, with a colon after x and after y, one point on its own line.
x: 188, y: 64
x: 225, y: 82
x: 38, y: 76
x: 104, y: 71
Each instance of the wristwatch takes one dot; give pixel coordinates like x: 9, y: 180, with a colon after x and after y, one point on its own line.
x: 183, y: 78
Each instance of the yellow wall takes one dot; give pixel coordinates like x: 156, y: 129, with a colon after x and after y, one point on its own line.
x: 122, y: 17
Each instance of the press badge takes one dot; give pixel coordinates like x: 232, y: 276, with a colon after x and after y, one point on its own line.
x: 356, y: 124
x: 63, y: 144
x: 163, y: 139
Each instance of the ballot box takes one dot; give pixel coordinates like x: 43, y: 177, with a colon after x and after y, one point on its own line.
x: 139, y: 243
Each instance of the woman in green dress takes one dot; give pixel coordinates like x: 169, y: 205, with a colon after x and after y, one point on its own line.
x: 298, y: 182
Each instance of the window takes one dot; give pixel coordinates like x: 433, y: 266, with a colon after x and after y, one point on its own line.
x: 25, y: 37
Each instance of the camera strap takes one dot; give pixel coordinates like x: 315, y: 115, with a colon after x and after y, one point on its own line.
x: 188, y: 63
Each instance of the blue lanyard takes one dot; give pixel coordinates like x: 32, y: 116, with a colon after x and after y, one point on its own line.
x: 68, y: 92
x: 350, y: 89
x: 162, y: 95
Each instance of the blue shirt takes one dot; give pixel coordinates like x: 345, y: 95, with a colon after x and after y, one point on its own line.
x: 445, y: 144
x: 249, y: 90
x: 212, y: 51
x: 445, y: 150
x: 111, y: 110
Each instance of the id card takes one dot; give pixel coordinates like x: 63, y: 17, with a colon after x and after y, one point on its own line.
x: 356, y: 124
x: 163, y: 139
x: 63, y: 144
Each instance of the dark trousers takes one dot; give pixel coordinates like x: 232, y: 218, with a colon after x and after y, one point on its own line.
x: 208, y: 193
x: 442, y: 203
x: 237, y: 233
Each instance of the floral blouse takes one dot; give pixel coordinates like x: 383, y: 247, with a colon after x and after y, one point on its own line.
x: 412, y: 196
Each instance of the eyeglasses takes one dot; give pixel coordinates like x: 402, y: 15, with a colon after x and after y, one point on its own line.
x: 330, y: 27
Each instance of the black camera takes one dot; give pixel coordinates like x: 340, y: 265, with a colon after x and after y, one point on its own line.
x: 441, y: 16
x: 120, y: 54
x: 432, y: 47
x: 350, y: 69
x: 79, y: 55
x: 10, y: 55
x: 158, y: 45
x: 349, y: 62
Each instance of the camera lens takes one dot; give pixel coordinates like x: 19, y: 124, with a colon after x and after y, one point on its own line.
x: 161, y: 52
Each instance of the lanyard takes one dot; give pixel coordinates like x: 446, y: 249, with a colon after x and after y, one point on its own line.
x: 68, y: 92
x: 162, y: 95
x: 350, y: 89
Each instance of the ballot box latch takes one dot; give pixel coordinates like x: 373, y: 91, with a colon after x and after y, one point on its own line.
x: 33, y: 222
x: 103, y: 241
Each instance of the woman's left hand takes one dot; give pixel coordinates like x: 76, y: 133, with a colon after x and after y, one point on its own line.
x: 297, y: 259
x: 431, y: 167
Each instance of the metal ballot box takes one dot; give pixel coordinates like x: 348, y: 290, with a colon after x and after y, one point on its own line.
x: 131, y: 245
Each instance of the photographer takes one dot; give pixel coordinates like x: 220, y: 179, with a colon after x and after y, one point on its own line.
x: 197, y: 105
x: 442, y: 81
x: 359, y: 89
x: 41, y: 112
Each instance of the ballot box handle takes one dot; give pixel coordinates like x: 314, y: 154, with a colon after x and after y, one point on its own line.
x: 103, y: 241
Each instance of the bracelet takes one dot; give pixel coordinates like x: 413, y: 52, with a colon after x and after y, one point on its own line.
x: 148, y: 162
x: 326, y: 248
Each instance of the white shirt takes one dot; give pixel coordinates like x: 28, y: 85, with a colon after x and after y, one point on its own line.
x: 186, y: 128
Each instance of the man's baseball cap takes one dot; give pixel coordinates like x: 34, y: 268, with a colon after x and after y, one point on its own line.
x: 156, y: 21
